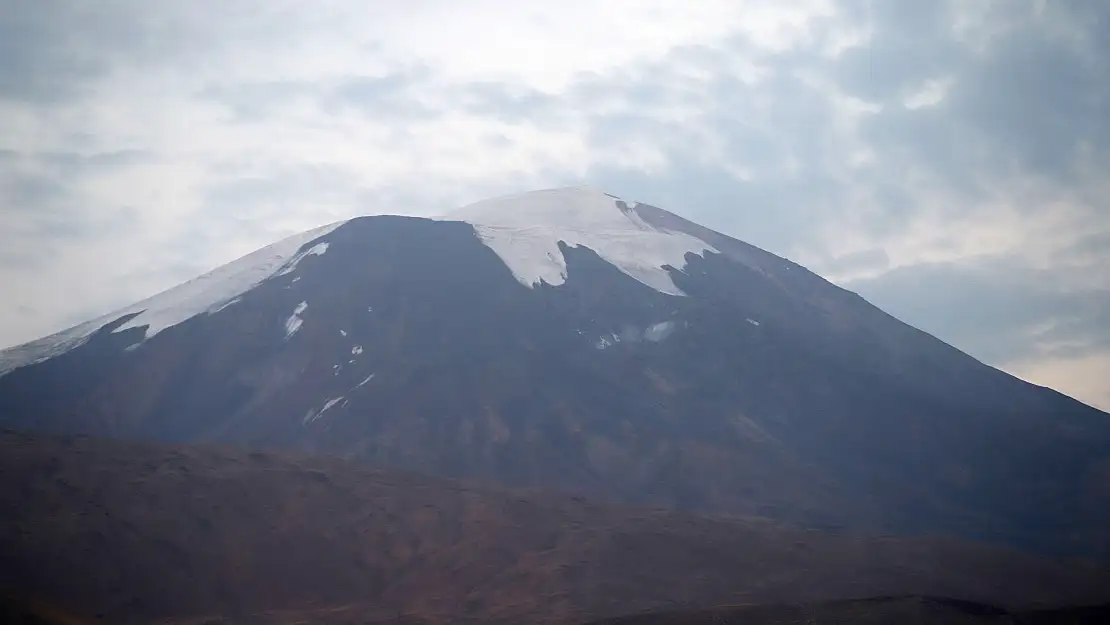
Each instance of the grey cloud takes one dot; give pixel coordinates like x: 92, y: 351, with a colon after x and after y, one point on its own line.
x: 251, y: 197
x: 334, y: 192
x: 780, y: 124
x: 511, y: 103
x: 643, y: 89
x: 896, y: 206
x: 392, y: 96
x: 31, y: 192
x: 243, y: 204
x: 997, y: 309
x: 42, y: 206
x: 373, y: 88
x: 42, y: 174
x: 55, y: 50
x: 1087, y: 249
x: 1029, y: 97
x: 875, y: 259
x: 929, y: 139
x: 257, y: 101
x: 651, y: 85
x: 38, y: 66
x: 775, y: 130
x: 31, y: 239
x: 1037, y: 100
x: 72, y: 164
x: 912, y: 42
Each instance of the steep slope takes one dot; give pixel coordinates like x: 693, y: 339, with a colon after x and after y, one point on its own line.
x: 140, y: 533
x: 571, y: 340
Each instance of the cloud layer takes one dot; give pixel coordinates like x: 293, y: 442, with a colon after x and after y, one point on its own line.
x: 949, y: 161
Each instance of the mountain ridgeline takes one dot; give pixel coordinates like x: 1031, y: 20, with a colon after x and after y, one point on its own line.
x: 568, y: 340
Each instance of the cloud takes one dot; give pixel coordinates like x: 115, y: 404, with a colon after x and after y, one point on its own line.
x: 1083, y: 378
x: 1003, y: 106
x: 866, y: 261
x: 1027, y: 313
x: 919, y: 151
x: 43, y: 200
x: 40, y: 65
x: 391, y: 95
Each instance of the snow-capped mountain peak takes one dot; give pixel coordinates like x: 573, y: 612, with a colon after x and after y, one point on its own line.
x: 408, y: 343
x: 525, y: 231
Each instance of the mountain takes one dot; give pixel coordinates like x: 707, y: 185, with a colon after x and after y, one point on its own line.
x: 126, y: 532
x: 571, y: 340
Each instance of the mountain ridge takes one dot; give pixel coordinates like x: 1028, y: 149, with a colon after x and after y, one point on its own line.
x: 412, y: 344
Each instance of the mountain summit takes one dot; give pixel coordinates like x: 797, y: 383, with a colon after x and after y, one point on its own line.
x: 568, y: 339
x: 526, y: 232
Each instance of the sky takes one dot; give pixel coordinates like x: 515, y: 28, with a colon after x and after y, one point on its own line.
x: 949, y: 161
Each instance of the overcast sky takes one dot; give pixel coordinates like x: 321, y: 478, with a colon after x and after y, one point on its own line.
x: 948, y: 161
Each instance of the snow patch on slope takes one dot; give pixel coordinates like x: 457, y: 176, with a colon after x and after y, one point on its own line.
x: 659, y: 331
x: 316, y: 250
x: 654, y: 333
x: 525, y: 230
x: 293, y: 323
x: 219, y: 307
x: 314, y: 415
x: 208, y: 293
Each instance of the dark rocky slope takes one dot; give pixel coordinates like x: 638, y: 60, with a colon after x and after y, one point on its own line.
x: 137, y: 533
